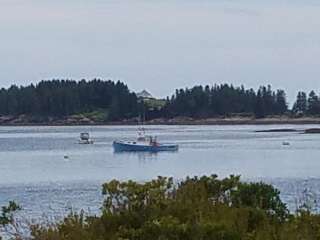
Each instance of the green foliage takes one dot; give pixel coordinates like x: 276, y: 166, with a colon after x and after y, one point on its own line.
x: 260, y: 196
x: 313, y: 104
x: 108, y: 101
x: 300, y: 107
x: 59, y: 98
x: 223, y: 100
x: 202, y: 208
x: 6, y: 216
x: 154, y: 103
x: 99, y: 115
x: 7, y: 219
x: 307, y: 106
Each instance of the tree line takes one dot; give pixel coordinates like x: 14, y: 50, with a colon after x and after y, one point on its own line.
x: 224, y: 100
x: 307, y: 105
x: 66, y: 97
x: 60, y: 98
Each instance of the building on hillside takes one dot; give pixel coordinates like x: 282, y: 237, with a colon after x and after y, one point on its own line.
x: 145, y: 95
x: 151, y: 102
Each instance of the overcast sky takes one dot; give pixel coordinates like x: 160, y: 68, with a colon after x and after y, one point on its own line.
x: 161, y: 45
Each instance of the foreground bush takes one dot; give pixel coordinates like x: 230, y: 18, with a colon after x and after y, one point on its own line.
x: 196, y: 209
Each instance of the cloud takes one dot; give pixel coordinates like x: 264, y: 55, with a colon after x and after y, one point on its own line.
x: 162, y: 45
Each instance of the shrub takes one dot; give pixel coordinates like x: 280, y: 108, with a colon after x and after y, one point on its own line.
x: 194, y: 209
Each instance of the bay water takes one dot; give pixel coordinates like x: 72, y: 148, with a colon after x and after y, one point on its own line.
x: 49, y: 174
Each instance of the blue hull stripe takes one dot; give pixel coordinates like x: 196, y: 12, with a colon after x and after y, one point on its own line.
x: 122, y: 147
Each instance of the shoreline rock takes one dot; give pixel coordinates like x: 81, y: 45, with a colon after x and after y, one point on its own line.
x: 312, y: 131
x: 282, y: 130
x: 24, y: 120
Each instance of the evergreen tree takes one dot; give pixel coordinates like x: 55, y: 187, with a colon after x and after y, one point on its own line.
x: 313, y: 104
x: 281, y: 102
x: 259, y: 109
x: 224, y: 100
x: 301, y: 105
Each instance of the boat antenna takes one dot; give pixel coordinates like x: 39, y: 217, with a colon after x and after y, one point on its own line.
x: 142, y: 118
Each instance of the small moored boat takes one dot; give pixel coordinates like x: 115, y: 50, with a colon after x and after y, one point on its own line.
x: 286, y: 143
x: 85, y: 139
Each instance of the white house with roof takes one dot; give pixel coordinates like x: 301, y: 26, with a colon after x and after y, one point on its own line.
x: 144, y: 95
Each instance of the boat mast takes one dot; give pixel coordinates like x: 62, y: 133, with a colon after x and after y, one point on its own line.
x: 141, y: 120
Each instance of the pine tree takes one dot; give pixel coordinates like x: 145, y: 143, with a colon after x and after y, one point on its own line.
x: 313, y: 104
x: 281, y: 102
x: 301, y: 105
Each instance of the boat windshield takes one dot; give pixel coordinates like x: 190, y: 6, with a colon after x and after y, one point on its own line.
x: 141, y: 134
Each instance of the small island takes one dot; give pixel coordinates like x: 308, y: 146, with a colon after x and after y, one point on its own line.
x: 98, y: 102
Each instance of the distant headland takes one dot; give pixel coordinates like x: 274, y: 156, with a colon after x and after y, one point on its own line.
x: 99, y: 102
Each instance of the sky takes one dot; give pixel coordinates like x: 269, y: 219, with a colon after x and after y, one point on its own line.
x: 161, y: 45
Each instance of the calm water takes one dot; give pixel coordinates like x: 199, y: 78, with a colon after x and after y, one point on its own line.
x: 34, y: 172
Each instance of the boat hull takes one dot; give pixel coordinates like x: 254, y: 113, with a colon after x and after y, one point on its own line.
x: 136, y: 147
x: 85, y: 142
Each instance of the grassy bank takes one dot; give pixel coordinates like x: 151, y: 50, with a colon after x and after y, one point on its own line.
x: 196, y: 209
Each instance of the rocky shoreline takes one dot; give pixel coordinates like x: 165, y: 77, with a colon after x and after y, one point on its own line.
x: 78, y: 120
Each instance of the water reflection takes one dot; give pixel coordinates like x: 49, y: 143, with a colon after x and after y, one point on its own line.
x: 143, y: 157
x: 139, y: 155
